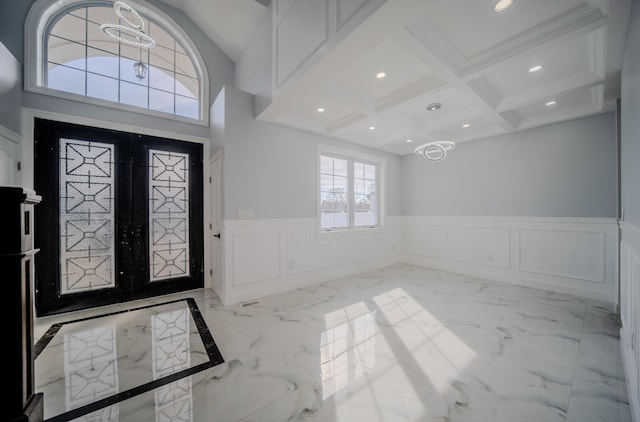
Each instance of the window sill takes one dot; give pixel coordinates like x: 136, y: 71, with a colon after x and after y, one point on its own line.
x: 350, y: 234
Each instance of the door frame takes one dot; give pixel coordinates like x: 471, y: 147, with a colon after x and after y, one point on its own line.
x: 216, y: 273
x: 131, y: 256
x: 168, y: 129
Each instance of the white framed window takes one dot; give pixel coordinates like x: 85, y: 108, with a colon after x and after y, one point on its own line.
x: 350, y: 195
x: 68, y: 56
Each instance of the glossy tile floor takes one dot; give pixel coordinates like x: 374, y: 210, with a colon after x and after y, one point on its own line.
x: 402, y: 343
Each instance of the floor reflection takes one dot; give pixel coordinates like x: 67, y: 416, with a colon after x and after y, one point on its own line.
x: 173, y: 402
x: 90, y: 366
x: 347, y: 350
x: 86, y: 367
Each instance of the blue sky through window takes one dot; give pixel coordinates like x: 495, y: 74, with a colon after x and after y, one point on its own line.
x: 92, y: 65
x: 158, y: 91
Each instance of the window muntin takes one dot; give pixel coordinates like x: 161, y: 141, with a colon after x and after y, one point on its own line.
x: 364, y: 194
x: 348, y: 192
x: 79, y: 59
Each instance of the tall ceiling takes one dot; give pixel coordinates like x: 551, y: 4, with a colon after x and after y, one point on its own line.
x: 229, y: 23
x: 461, y: 54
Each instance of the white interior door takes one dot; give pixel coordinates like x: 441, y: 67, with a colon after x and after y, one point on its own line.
x: 215, y: 187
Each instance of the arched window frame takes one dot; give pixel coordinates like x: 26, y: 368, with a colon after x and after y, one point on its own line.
x: 44, y: 13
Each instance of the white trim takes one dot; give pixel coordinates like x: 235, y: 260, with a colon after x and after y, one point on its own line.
x: 630, y: 370
x: 29, y: 114
x: 509, y: 219
x: 601, y: 243
x: 10, y: 135
x: 38, y: 18
x: 630, y: 311
x: 381, y: 182
x: 277, y: 255
x: 116, y: 106
x: 263, y: 257
x: 210, y: 281
x: 630, y: 235
x: 502, y: 258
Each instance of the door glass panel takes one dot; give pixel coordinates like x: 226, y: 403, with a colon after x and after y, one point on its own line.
x: 86, y: 216
x: 168, y: 215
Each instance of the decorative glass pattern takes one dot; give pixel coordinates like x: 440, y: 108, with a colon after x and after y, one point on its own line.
x: 171, y: 354
x: 86, y: 216
x: 168, y: 215
x: 91, y: 367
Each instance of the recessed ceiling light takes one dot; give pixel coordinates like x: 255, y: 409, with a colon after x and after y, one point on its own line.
x: 372, y: 128
x: 551, y: 103
x: 433, y: 107
x: 535, y: 68
x: 409, y: 141
x: 320, y: 110
x: 502, y: 5
x: 466, y: 125
x: 380, y: 75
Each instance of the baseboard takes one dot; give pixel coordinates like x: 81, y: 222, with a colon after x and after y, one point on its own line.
x: 276, y: 286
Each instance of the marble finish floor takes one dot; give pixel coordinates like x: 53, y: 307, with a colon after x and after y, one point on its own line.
x: 403, y: 343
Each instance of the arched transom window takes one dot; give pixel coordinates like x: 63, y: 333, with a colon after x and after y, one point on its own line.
x: 78, y: 58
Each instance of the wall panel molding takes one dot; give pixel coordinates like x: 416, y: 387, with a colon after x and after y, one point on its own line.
x: 576, y: 254
x: 425, y: 240
x: 264, y: 257
x: 571, y: 255
x: 482, y: 245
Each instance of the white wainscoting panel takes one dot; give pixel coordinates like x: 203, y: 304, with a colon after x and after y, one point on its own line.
x: 571, y: 255
x: 489, y: 246
x: 630, y: 311
x: 303, y: 255
x: 255, y: 257
x: 575, y: 254
x: 429, y: 241
x: 264, y: 257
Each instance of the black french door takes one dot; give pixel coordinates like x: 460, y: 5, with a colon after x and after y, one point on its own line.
x: 121, y: 216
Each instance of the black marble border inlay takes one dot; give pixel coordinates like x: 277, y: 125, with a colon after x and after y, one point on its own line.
x: 215, y: 358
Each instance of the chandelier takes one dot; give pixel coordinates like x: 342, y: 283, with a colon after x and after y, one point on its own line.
x: 435, y: 151
x: 130, y: 33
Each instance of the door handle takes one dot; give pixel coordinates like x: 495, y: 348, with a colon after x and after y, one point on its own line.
x: 217, y: 235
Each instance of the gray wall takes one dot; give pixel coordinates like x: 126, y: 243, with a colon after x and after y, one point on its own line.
x: 10, y: 91
x: 562, y: 170
x: 271, y: 169
x: 630, y: 121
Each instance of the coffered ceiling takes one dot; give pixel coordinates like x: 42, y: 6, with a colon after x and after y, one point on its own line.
x: 461, y: 54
